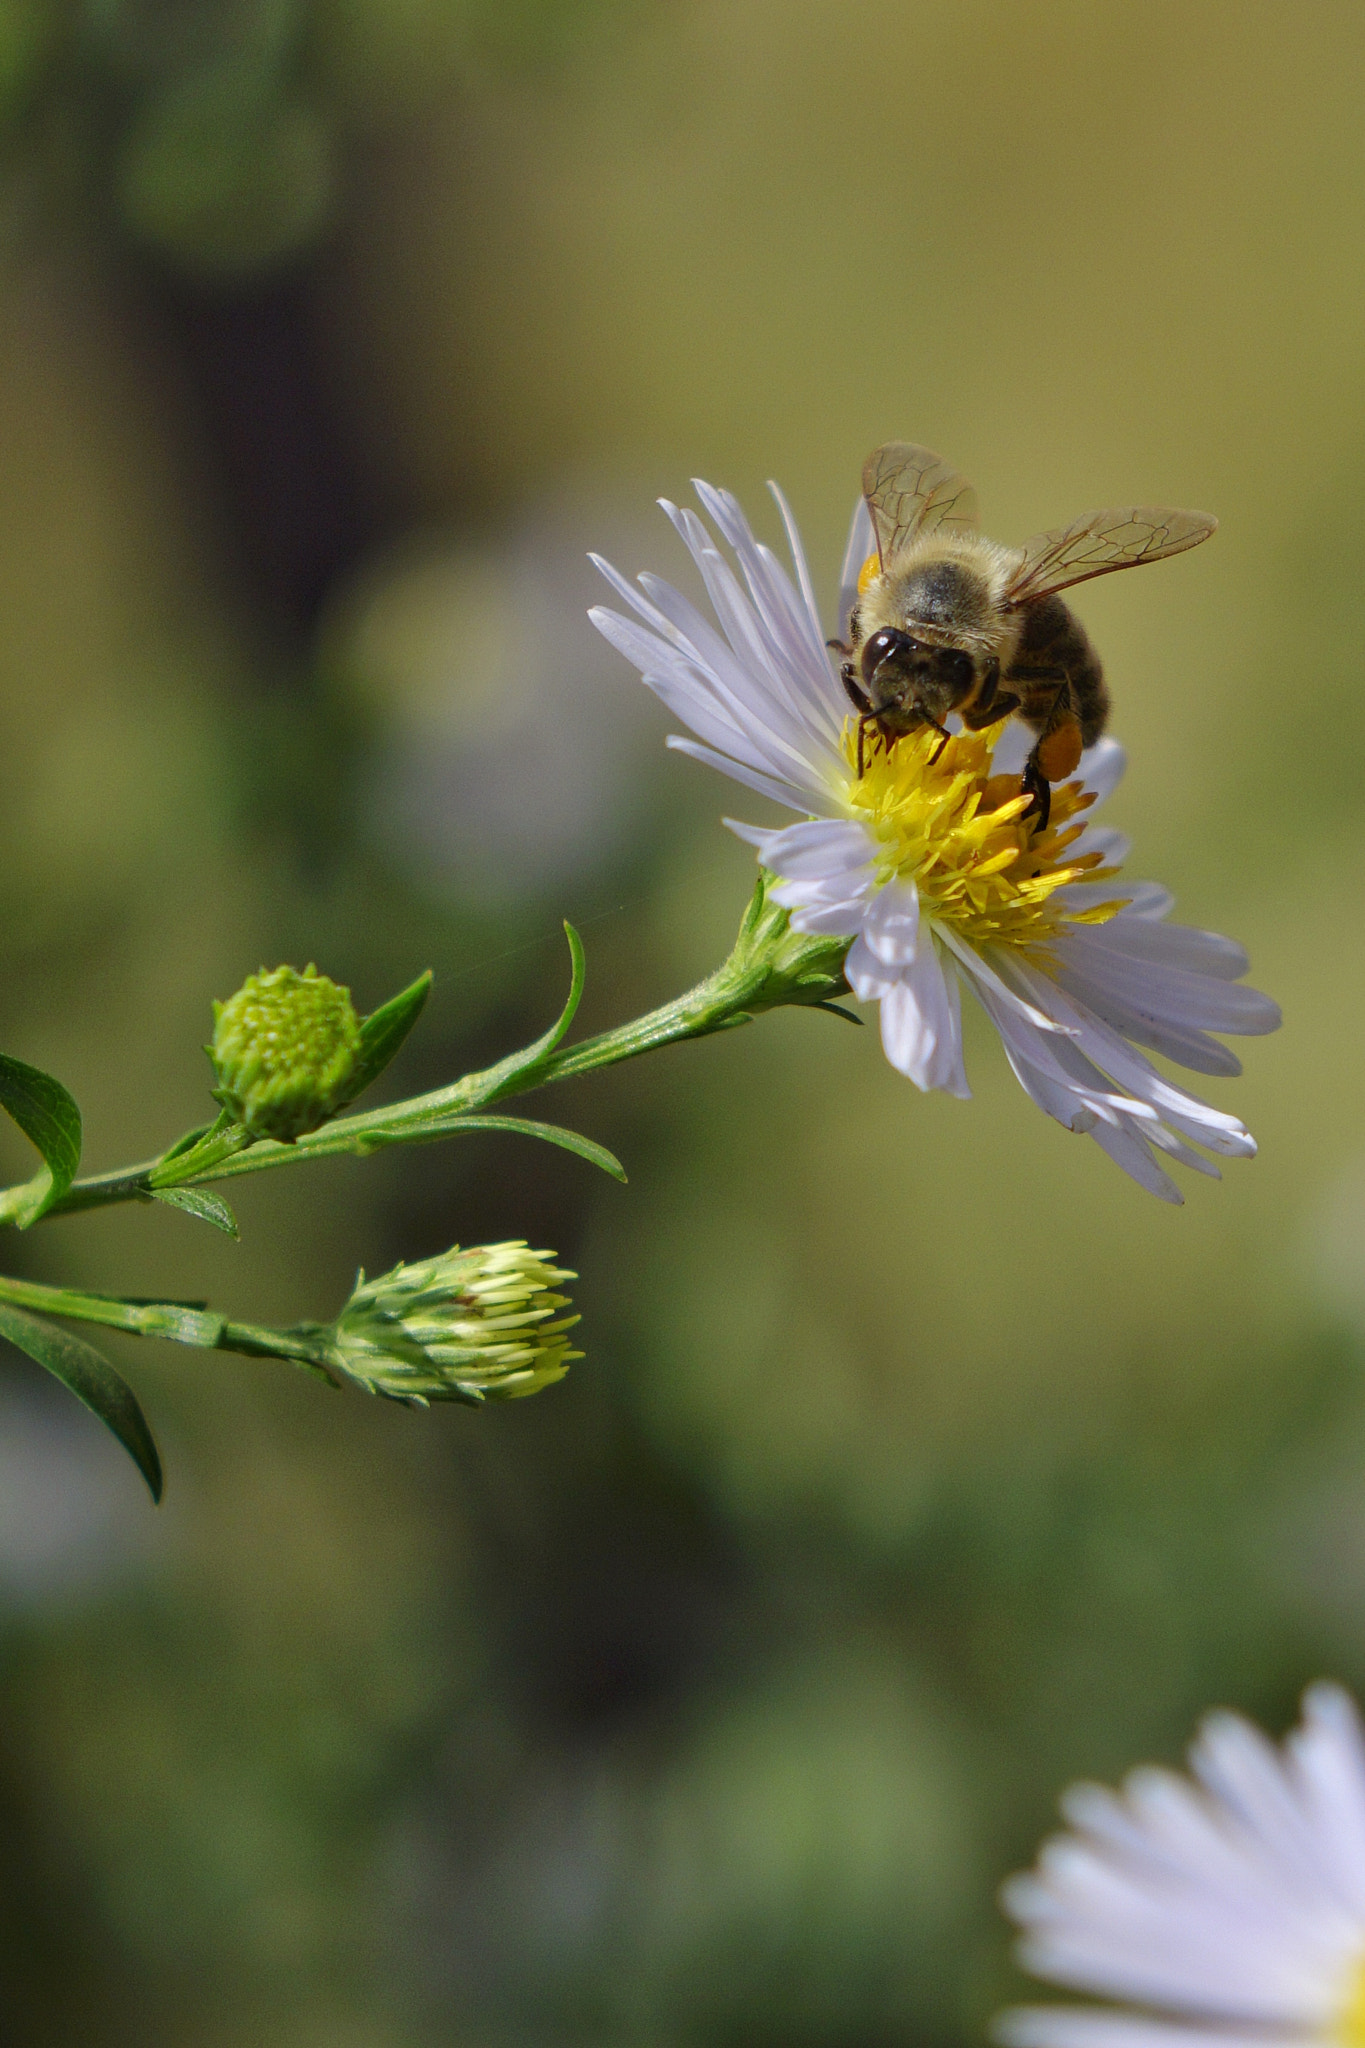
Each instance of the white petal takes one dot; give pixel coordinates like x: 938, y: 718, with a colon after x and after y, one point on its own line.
x: 752, y: 778
x: 1187, y: 1047
x: 921, y: 1025
x: 838, y: 920
x: 865, y: 974
x: 1127, y: 1067
x: 821, y: 847
x: 1013, y: 748
x: 1139, y: 899
x: 862, y: 542
x: 1172, y: 945
x: 891, y: 930
x: 1086, y: 2026
x: 1112, y: 847
x: 1134, y: 1155
x: 1102, y: 768
x: 709, y: 702
x: 820, y: 906
x: 1152, y: 989
x: 979, y: 969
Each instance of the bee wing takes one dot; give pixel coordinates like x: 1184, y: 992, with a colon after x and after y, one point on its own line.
x: 1122, y: 537
x: 911, y: 490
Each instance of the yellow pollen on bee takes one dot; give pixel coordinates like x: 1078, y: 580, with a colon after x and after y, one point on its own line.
x: 959, y: 833
x: 1349, y: 2031
x: 871, y: 567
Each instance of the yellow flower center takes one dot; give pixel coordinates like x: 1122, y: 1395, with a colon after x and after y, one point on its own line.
x: 1350, y: 2028
x: 959, y: 833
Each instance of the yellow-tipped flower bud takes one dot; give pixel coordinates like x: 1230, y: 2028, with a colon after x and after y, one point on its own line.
x: 286, y: 1049
x: 475, y: 1325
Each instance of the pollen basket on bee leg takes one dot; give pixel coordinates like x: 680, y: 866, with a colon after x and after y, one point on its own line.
x: 871, y: 567
x: 1059, y: 752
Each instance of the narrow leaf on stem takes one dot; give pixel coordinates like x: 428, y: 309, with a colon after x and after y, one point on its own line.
x: 383, y: 1032
x: 92, y: 1379
x: 209, y: 1208
x: 553, y: 1134
x: 47, y: 1115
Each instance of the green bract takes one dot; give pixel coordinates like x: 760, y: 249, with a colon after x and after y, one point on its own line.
x: 285, y: 1049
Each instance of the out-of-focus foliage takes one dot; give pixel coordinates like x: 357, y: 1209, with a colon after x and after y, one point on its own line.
x: 917, y: 1463
x: 218, y: 134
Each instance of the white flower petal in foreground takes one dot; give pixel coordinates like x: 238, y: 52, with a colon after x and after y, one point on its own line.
x: 926, y: 864
x: 1230, y: 1908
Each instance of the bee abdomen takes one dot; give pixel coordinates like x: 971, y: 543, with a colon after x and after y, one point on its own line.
x: 1053, y: 650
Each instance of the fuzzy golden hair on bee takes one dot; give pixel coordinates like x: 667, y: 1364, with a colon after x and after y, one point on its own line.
x: 949, y: 588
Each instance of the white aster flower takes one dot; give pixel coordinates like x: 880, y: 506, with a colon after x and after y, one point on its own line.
x: 1231, y: 1909
x: 926, y: 864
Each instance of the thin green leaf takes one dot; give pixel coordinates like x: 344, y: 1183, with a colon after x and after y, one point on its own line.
x: 496, y: 1080
x: 47, y: 1115
x: 92, y: 1379
x: 383, y: 1032
x: 553, y: 1134
x: 578, y: 975
x: 530, y: 1055
x: 199, y: 1202
x: 836, y: 1010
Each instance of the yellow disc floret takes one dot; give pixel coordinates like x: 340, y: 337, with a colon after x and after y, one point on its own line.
x: 946, y: 823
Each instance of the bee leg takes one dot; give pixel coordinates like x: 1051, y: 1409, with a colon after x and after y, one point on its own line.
x: 1056, y: 753
x: 848, y: 676
x: 839, y: 647
x: 1035, y: 785
x: 1000, y: 705
x: 869, y: 719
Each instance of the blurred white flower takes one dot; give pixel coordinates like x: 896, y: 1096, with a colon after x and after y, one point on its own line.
x: 1232, y: 1907
x: 499, y: 762
x: 925, y: 863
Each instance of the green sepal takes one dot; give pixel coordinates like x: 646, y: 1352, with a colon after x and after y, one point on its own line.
x: 383, y: 1032
x: 199, y: 1202
x: 47, y: 1115
x: 91, y: 1378
x: 776, y: 965
x: 191, y: 1138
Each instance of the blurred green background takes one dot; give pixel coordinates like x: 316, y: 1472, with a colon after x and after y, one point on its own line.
x: 918, y: 1462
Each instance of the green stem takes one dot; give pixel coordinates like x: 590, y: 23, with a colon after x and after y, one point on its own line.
x: 180, y: 1322
x: 769, y: 966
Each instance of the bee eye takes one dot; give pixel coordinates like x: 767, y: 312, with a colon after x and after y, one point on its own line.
x: 889, y: 644
x: 957, y: 667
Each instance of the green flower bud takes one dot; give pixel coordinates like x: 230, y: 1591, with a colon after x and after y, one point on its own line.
x: 286, y: 1049
x: 476, y: 1325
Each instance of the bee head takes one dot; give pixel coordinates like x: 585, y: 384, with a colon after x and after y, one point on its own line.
x: 914, y: 678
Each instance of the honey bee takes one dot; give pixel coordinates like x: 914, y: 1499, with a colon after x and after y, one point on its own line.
x: 947, y: 621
